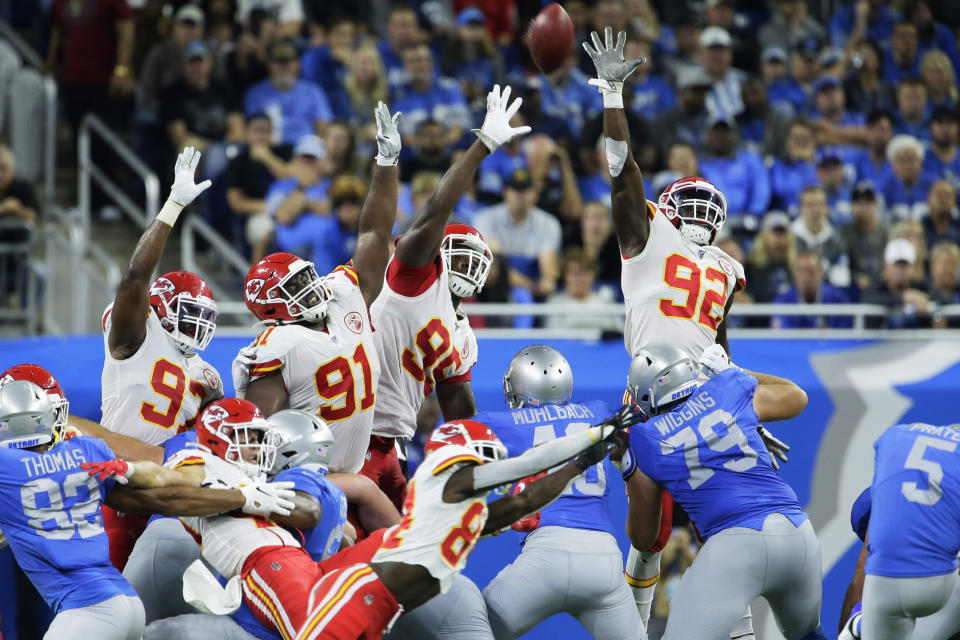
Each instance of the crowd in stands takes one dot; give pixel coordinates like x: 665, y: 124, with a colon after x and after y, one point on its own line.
x: 833, y: 137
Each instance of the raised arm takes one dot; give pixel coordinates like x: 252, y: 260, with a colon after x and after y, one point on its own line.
x: 128, y: 320
x: 419, y: 245
x: 630, y: 216
x: 777, y: 398
x: 379, y: 208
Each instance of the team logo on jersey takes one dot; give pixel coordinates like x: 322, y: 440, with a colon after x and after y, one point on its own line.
x: 253, y: 288
x: 161, y: 286
x: 213, y: 416
x: 353, y: 321
x: 726, y: 266
x: 213, y: 380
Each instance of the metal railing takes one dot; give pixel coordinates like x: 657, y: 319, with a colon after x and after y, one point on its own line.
x: 88, y: 172
x: 33, y: 59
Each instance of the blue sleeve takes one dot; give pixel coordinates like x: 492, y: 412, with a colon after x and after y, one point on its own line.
x: 303, y: 480
x: 310, y: 65
x: 760, y: 190
x: 277, y: 193
x: 860, y: 514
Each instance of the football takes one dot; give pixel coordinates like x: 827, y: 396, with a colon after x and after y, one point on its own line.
x: 550, y: 38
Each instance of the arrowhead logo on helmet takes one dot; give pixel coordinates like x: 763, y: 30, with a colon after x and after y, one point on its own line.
x: 213, y: 416
x: 252, y: 289
x: 162, y: 285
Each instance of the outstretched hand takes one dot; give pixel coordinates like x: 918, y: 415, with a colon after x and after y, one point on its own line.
x: 608, y: 59
x: 496, y: 129
x: 184, y: 190
x: 388, y: 135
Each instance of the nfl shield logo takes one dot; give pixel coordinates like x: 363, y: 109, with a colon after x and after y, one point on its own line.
x: 368, y: 599
x: 276, y: 566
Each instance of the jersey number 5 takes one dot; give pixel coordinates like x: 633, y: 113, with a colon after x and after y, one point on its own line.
x: 934, y: 471
x: 680, y: 272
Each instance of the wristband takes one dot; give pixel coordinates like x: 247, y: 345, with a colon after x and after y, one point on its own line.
x: 612, y: 100
x: 129, y: 472
x: 384, y: 161
x: 170, y: 212
x: 626, y: 465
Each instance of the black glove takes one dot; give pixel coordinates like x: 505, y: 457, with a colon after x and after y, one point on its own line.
x: 593, y: 454
x: 625, y: 417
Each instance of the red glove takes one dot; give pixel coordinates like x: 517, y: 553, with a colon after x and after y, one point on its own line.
x: 531, y: 522
x: 102, y: 470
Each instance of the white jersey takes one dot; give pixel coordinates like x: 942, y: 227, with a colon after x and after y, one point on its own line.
x: 331, y: 372
x: 676, y: 291
x: 421, y: 341
x: 157, y: 392
x: 227, y: 540
x: 434, y: 534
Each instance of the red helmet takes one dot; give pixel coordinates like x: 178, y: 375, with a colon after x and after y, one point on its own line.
x: 467, y: 259
x: 696, y: 207
x: 44, y: 379
x: 284, y: 288
x: 224, y: 429
x: 184, y: 304
x: 468, y: 433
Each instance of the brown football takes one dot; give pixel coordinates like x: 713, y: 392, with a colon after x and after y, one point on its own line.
x: 550, y: 38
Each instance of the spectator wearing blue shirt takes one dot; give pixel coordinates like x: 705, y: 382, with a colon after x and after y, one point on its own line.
x: 472, y: 59
x: 836, y: 178
x: 739, y: 174
x: 716, y: 56
x: 402, y: 32
x: 942, y: 159
x: 567, y: 94
x: 300, y: 205
x: 326, y: 65
x: 809, y: 288
x: 900, y: 58
x: 429, y: 97
x: 871, y: 163
x: 687, y: 121
x: 762, y: 128
x: 651, y: 93
x: 913, y: 109
x: 933, y: 35
x: 593, y: 179
x: 905, y: 189
x: 430, y: 153
x: 874, y: 19
x: 942, y: 221
x: 531, y: 110
x: 791, y: 91
x: 496, y: 169
x: 938, y: 75
x: 296, y: 107
x: 790, y: 174
x: 830, y: 110
x: 346, y: 199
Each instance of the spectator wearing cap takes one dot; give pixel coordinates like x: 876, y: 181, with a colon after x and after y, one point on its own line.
x: 913, y: 109
x: 327, y: 64
x: 900, y: 59
x: 472, y: 58
x: 197, y: 110
x: 296, y: 107
x: 402, y: 32
x: 835, y: 125
x: 533, y: 115
x: 794, y: 170
x: 687, y: 121
x: 832, y: 62
x: 287, y: 14
x: 579, y: 279
x: 431, y: 151
x: 762, y: 128
x: 249, y: 174
x: 944, y: 276
x: 872, y: 163
x: 938, y: 75
x: 872, y: 20
x: 528, y: 237
x: 651, y: 93
x: 809, y: 288
x: 942, y: 221
x: 790, y: 91
x: 737, y: 172
x: 908, y: 305
x: 495, y: 170
x: 722, y: 14
x: 164, y: 63
x: 833, y: 176
x: 864, y: 236
x: 813, y: 232
x: 768, y: 263
x: 716, y: 56
x: 905, y: 188
x: 566, y: 94
x: 427, y: 96
x: 933, y: 36
x: 790, y: 22
x: 300, y: 205
x: 911, y: 230
x: 942, y: 158
x: 864, y: 87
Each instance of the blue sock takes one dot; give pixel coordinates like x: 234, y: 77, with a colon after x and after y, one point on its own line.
x: 816, y: 634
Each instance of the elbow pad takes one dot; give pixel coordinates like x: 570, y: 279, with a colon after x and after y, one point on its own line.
x: 617, y: 151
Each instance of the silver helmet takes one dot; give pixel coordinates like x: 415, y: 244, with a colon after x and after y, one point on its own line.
x: 537, y: 375
x: 660, y: 373
x: 27, y: 415
x: 301, y: 438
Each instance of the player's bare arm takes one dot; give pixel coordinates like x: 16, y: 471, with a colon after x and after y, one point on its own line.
x: 175, y: 501
x: 456, y: 400
x: 305, y: 514
x: 379, y: 208
x: 630, y: 216
x: 130, y: 306
x: 777, y: 398
x: 374, y: 508
x: 643, y: 510
x: 268, y: 393
x: 126, y: 447
x: 854, y: 592
x: 144, y: 474
x: 507, y: 510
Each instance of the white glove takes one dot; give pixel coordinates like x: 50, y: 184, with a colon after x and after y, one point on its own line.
x: 496, y: 129
x: 388, y: 136
x: 184, y: 190
x: 776, y: 447
x: 240, y: 370
x: 714, y: 360
x: 851, y: 630
x: 267, y: 499
x: 612, y: 69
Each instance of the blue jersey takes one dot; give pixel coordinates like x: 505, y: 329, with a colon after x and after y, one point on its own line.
x: 584, y: 503
x: 50, y: 513
x: 707, y: 453
x: 321, y: 542
x: 915, y: 529
x: 294, y: 113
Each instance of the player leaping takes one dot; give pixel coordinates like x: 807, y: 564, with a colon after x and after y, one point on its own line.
x: 153, y: 384
x: 423, y: 338
x: 319, y: 354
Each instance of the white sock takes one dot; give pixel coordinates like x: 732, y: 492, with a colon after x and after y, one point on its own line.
x: 643, y: 572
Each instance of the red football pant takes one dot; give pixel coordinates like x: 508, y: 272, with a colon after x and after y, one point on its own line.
x: 666, y: 522
x: 383, y: 467
x: 276, y: 585
x: 122, y: 529
x: 349, y: 604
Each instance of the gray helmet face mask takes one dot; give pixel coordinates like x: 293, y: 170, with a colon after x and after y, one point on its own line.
x: 660, y: 373
x: 27, y: 415
x: 301, y: 439
x: 537, y: 375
